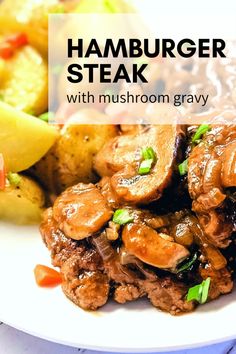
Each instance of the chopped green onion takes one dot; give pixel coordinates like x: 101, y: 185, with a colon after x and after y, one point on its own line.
x: 205, y: 289
x: 122, y: 217
x: 14, y: 178
x: 187, y: 264
x: 148, y: 153
x: 195, y: 293
x: 145, y: 167
x: 200, y: 131
x: 199, y: 292
x: 183, y: 167
x: 149, y: 157
x: 46, y: 116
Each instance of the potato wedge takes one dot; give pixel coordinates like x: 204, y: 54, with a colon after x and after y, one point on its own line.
x: 22, y: 203
x: 24, y: 139
x: 24, y: 83
x: 29, y: 17
x: 71, y: 159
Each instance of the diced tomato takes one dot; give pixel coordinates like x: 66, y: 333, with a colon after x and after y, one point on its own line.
x: 6, y: 50
x: 46, y: 276
x: 18, y: 40
x: 2, y: 173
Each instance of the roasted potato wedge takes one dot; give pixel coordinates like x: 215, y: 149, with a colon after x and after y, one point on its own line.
x: 22, y: 203
x: 70, y: 160
x: 23, y: 139
x: 24, y: 81
x: 29, y: 17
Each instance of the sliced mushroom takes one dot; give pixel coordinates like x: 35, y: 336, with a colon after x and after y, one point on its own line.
x: 228, y: 171
x: 120, y: 158
x: 121, y: 151
x: 212, y: 168
x: 151, y: 248
x: 81, y: 211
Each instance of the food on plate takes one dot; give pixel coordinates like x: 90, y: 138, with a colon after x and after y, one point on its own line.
x: 127, y: 211
x: 24, y: 139
x: 22, y: 201
x: 46, y: 276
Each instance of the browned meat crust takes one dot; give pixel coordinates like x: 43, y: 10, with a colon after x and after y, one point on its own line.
x: 165, y: 294
x: 169, y: 296
x: 60, y: 246
x: 81, y: 268
x: 88, y: 289
x: 128, y: 292
x: 221, y: 280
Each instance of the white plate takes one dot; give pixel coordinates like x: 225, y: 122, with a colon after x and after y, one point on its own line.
x: 139, y: 327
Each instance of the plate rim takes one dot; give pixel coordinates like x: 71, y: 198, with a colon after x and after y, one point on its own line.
x: 95, y: 344
x: 116, y: 349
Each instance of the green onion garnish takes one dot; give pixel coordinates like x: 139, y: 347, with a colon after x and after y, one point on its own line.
x: 187, y: 264
x: 205, y: 289
x: 122, y: 217
x: 195, y: 293
x: 14, y: 178
x: 199, y: 292
x: 200, y: 131
x: 183, y: 167
x: 149, y: 157
x: 46, y: 116
x: 145, y: 167
x: 148, y: 153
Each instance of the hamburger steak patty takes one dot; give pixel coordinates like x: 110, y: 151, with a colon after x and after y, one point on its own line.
x: 95, y: 269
